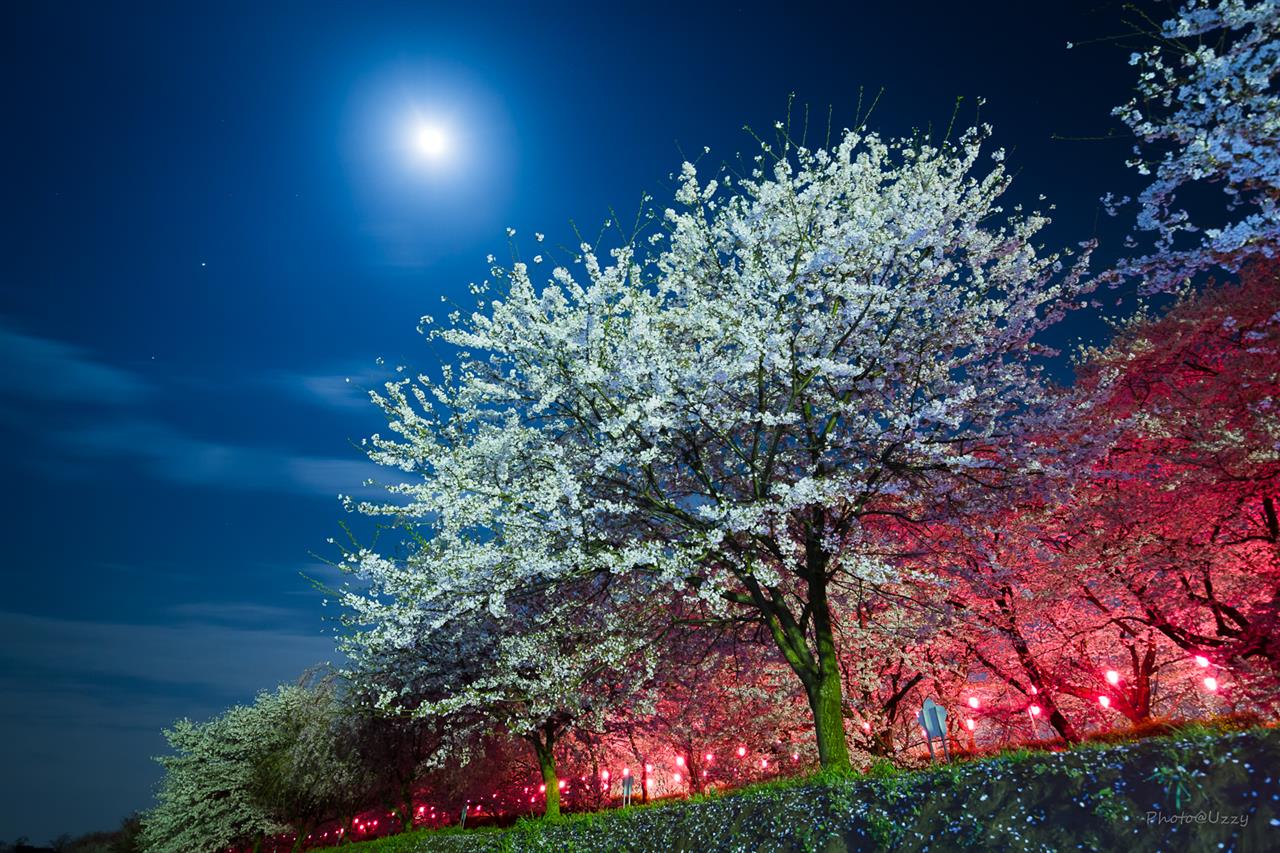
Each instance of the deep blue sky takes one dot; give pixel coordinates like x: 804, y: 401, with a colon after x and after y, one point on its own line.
x: 211, y: 223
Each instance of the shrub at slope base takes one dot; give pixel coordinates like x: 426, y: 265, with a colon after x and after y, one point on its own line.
x: 1099, y: 798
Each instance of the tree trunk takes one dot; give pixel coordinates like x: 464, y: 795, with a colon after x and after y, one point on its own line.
x: 697, y: 767
x: 406, y: 807
x: 348, y: 825
x: 825, y: 691
x: 1140, y: 696
x: 881, y: 743
x: 644, y: 774
x: 828, y: 720
x: 1060, y: 723
x: 300, y: 842
x: 821, y: 674
x: 1022, y: 649
x: 547, y: 764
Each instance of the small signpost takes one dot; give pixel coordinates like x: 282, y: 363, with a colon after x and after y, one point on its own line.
x: 626, y: 789
x: 463, y: 824
x: 933, y: 718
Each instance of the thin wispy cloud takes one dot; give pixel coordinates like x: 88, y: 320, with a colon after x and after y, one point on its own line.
x: 231, y: 660
x: 242, y: 613
x: 170, y: 454
x: 340, y: 390
x: 39, y: 368
x: 45, y: 371
x: 343, y: 387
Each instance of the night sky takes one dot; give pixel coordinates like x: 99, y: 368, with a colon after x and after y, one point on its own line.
x: 213, y: 221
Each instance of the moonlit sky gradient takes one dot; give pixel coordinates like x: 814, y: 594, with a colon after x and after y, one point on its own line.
x: 215, y: 215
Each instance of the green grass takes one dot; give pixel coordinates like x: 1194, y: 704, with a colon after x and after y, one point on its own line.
x: 1093, y: 794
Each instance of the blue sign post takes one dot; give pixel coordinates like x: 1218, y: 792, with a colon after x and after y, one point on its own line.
x: 933, y: 719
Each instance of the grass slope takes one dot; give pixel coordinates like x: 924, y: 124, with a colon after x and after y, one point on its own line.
x: 1198, y: 789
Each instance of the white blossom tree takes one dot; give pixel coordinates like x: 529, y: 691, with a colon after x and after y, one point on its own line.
x: 313, y: 774
x: 208, y: 800
x: 842, y: 335
x: 536, y: 669
x: 268, y: 768
x: 1207, y: 115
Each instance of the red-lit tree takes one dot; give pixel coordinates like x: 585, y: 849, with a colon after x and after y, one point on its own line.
x: 886, y: 635
x: 719, y: 692
x: 999, y: 599
x: 1178, y: 528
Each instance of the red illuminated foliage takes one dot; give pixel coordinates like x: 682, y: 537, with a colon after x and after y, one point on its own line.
x: 1179, y: 523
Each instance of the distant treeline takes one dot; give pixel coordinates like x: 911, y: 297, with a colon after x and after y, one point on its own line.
x: 122, y: 840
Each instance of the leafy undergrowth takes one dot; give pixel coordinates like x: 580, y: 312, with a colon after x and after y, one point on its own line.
x: 1197, y: 789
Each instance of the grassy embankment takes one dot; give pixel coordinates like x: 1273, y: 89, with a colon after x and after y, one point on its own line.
x: 1191, y: 790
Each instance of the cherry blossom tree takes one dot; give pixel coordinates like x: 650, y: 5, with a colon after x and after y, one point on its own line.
x: 1181, y: 517
x: 209, y: 799
x: 1207, y: 116
x: 536, y: 671
x: 887, y: 636
x: 394, y: 753
x: 718, y: 692
x: 313, y: 774
x: 817, y: 341
x: 1037, y: 610
x: 1000, y: 599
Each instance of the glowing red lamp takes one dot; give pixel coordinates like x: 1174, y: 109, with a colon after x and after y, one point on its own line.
x: 1211, y: 684
x: 1035, y: 710
x: 1113, y: 677
x: 1104, y: 701
x: 973, y: 702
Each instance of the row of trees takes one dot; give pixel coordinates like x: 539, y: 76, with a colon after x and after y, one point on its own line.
x: 1106, y: 583
x: 126, y: 839
x: 313, y: 764
x: 303, y: 757
x: 733, y: 494
x: 824, y: 383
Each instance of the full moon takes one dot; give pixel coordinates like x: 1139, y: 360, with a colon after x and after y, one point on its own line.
x: 431, y: 141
